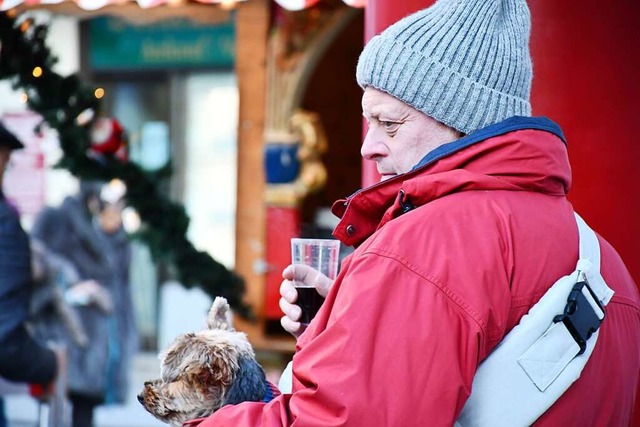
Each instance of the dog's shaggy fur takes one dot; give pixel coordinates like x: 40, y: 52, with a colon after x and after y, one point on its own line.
x: 203, y: 371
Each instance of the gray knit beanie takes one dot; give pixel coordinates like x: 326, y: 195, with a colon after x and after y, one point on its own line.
x: 465, y: 63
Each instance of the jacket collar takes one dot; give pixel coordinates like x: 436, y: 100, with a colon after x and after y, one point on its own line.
x: 518, y: 154
x: 509, y: 125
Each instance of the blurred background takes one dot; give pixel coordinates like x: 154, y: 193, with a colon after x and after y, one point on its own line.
x: 255, y: 106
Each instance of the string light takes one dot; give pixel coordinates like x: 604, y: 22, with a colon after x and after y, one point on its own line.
x: 24, y: 98
x: 227, y: 4
x: 26, y: 24
x: 37, y: 72
x: 99, y: 93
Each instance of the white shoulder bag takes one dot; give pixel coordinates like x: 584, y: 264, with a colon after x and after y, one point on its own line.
x: 545, y: 353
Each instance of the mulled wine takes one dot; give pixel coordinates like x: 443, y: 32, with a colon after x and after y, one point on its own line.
x: 309, y: 301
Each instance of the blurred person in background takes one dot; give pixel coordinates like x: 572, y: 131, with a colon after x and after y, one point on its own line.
x: 86, y: 231
x: 22, y: 359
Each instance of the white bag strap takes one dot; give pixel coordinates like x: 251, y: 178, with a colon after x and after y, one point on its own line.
x: 541, y: 357
x: 589, y: 263
x: 285, y: 384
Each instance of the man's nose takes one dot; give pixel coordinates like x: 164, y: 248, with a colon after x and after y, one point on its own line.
x: 370, y: 149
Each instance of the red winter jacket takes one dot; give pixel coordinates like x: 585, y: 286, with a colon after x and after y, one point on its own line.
x: 449, y: 257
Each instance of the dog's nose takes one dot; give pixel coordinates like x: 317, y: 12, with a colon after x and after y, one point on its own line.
x: 140, y: 398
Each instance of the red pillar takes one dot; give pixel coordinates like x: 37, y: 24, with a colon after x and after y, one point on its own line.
x: 283, y: 223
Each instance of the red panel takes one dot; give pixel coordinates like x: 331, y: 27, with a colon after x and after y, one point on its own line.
x: 586, y: 62
x: 282, y: 225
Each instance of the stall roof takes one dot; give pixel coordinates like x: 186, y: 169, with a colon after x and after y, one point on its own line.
x: 99, y: 4
x: 303, y: 4
x: 92, y: 5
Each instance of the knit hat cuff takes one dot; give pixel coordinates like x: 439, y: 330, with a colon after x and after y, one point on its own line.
x: 436, y: 90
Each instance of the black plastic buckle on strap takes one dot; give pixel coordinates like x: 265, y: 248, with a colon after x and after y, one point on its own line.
x: 404, y: 202
x: 579, y: 317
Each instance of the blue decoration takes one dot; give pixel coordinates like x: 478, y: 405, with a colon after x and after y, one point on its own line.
x: 281, y: 163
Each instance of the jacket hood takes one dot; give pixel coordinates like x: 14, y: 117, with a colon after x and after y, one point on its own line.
x: 519, y: 154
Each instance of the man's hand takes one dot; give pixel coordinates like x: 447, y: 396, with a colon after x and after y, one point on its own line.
x: 289, y: 295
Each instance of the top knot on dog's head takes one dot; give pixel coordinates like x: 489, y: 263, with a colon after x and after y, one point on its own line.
x: 220, y: 315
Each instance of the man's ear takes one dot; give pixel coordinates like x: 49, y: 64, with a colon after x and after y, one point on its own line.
x: 250, y: 383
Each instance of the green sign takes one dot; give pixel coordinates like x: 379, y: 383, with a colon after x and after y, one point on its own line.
x: 117, y: 45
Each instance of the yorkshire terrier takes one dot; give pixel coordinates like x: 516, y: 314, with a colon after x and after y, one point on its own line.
x: 203, y: 371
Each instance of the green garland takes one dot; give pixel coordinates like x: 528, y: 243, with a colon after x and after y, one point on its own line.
x: 63, y: 102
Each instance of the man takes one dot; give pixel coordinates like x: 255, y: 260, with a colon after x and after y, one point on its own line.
x: 468, y: 229
x: 21, y: 358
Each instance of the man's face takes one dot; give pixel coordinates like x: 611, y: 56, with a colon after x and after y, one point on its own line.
x: 399, y: 135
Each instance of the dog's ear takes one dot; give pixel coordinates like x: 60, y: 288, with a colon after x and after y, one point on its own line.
x: 221, y: 363
x: 220, y: 315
